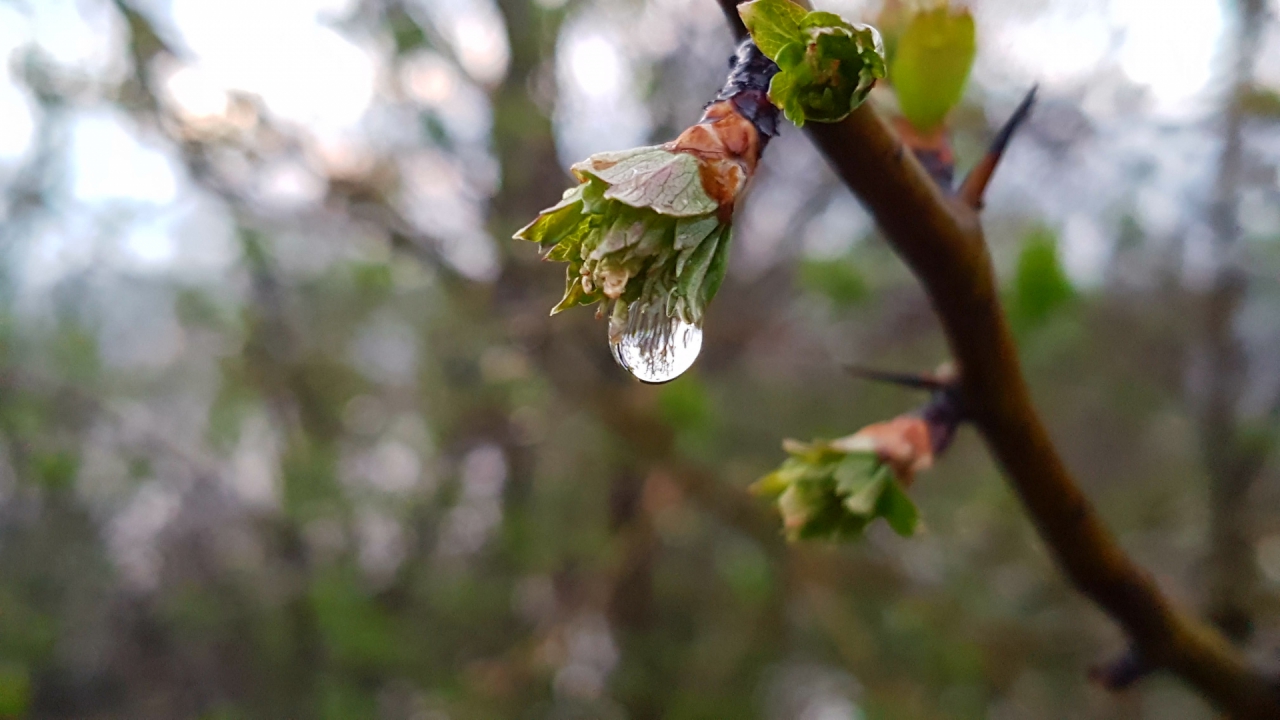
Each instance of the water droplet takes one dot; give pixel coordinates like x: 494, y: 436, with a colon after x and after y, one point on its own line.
x: 656, y: 348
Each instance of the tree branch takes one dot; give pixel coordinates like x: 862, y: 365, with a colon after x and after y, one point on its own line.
x: 942, y: 241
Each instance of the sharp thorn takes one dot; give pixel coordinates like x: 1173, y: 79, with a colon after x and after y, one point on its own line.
x: 910, y: 380
x: 975, y: 184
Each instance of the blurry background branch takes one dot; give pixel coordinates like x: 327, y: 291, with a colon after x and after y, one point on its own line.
x: 1234, y: 450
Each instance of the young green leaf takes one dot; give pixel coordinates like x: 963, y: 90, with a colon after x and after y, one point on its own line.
x: 772, y: 24
x: 898, y: 510
x: 667, y: 182
x: 646, y: 232
x: 826, y: 66
x: 820, y: 19
x: 931, y: 64
x: 825, y: 493
x: 639, y: 227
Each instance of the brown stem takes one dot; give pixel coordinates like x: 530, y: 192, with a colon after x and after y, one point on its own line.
x: 942, y: 241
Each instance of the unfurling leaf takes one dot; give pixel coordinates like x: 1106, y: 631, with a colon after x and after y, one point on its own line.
x: 827, y: 66
x: 641, y: 226
x: 931, y: 63
x: 773, y: 24
x: 833, y: 490
x: 646, y: 232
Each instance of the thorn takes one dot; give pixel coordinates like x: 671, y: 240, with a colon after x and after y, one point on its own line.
x: 915, y: 381
x: 974, y: 186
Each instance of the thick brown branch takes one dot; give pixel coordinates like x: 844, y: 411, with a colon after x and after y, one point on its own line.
x: 941, y: 239
x: 942, y: 242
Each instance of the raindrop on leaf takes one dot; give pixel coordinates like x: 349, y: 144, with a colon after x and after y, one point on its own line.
x: 653, y: 347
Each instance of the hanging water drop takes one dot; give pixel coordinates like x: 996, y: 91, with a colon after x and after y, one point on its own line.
x: 653, y: 347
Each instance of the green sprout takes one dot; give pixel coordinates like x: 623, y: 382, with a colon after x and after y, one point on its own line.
x: 931, y: 64
x: 639, y: 228
x: 827, y: 66
x: 646, y: 232
x: 834, y: 490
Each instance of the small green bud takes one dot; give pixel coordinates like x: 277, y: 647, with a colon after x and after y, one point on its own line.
x: 827, y: 66
x: 834, y: 490
x: 638, y: 232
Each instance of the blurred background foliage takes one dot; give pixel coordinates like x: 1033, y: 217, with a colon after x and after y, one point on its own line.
x: 285, y: 431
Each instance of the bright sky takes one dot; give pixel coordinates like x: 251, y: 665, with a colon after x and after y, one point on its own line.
x: 310, y: 74
x: 1167, y: 46
x: 599, y: 107
x: 280, y: 50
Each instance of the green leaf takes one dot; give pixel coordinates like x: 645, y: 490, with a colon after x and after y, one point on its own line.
x: 627, y: 229
x: 640, y: 232
x: 772, y: 24
x: 690, y: 279
x: 719, y: 264
x: 855, y: 472
x: 554, y: 222
x: 639, y: 228
x: 820, y: 19
x: 569, y: 247
x: 669, y: 183
x: 826, y: 66
x: 690, y: 232
x: 863, y: 502
x: 574, y: 293
x: 825, y: 493
x: 814, y: 453
x: 1040, y: 285
x: 792, y: 55
x: 771, y: 485
x: 931, y: 64
x: 784, y: 92
x: 898, y: 510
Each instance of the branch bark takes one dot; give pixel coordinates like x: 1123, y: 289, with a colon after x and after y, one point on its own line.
x: 942, y: 241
